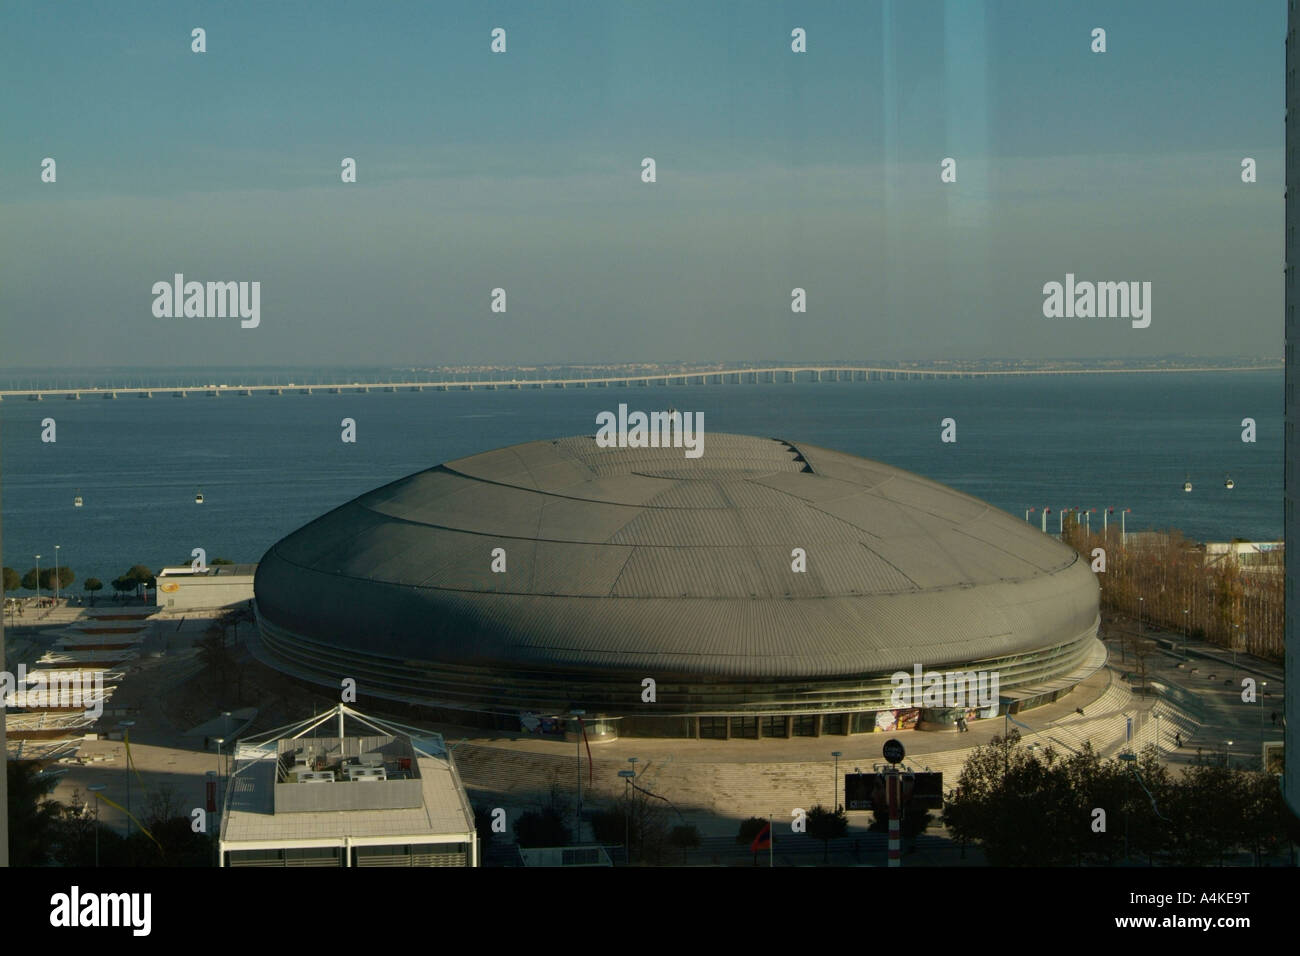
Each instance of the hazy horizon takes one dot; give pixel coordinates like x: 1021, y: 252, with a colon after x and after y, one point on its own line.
x: 522, y: 170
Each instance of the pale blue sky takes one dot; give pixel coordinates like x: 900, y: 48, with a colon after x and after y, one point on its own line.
x: 521, y: 170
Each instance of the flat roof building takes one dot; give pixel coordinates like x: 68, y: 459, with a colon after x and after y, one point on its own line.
x: 215, y: 587
x: 391, y: 797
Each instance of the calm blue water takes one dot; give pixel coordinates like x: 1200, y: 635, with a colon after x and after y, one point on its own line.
x: 268, y: 464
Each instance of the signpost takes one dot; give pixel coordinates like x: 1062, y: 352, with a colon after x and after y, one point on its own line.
x: 894, y: 753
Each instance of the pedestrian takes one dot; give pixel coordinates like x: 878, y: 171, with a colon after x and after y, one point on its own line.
x: 1178, y: 739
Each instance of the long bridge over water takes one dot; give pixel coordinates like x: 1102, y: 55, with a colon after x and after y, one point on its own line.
x: 765, y: 375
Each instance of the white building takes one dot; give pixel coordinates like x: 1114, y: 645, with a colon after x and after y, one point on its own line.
x: 389, y: 798
x: 215, y: 587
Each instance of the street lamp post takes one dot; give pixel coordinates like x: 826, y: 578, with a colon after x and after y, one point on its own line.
x: 126, y: 726
x: 219, y: 741
x: 1262, y: 685
x: 1129, y: 759
x: 56, y: 575
x: 96, y: 789
x: 1227, y: 755
x: 1186, y: 625
x: 1236, y: 632
x: 38, y: 580
x: 835, y: 781
x: 577, y: 833
x: 633, y: 762
x: 627, y: 776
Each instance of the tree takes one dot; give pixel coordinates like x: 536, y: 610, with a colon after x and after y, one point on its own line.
x: 215, y: 657
x: 30, y: 580
x: 122, y: 585
x: 749, y: 831
x: 612, y: 824
x: 141, y: 576
x: 910, y: 823
x: 1025, y: 809
x: 684, y: 837
x: 545, y: 827
x: 64, y: 577
x: 483, y: 827
x: 825, y: 825
x: 12, y: 580
x: 639, y: 817
x: 92, y: 585
x: 31, y: 816
x: 216, y: 561
x: 73, y: 833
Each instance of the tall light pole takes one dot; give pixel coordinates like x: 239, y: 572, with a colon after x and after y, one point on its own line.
x: 1262, y: 685
x: 38, y: 580
x: 1227, y: 755
x: 627, y: 776
x: 578, y: 715
x: 96, y: 788
x: 56, y: 574
x: 1157, y: 717
x: 1186, y: 625
x: 126, y: 726
x: 219, y: 741
x: 835, y: 781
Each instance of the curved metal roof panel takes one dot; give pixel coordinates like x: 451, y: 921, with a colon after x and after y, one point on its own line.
x: 619, y: 560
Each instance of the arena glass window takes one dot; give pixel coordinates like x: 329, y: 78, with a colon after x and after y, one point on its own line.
x: 832, y: 724
x: 805, y: 725
x: 774, y: 727
x: 745, y: 728
x: 713, y: 728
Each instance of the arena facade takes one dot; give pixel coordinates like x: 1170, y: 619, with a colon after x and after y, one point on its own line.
x: 766, y: 589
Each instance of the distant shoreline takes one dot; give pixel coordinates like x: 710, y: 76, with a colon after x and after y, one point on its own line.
x: 561, y: 376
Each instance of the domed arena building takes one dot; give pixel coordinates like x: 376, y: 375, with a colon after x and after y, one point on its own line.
x: 768, y: 588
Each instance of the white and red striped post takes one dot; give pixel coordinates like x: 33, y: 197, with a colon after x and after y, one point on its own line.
x: 892, y: 783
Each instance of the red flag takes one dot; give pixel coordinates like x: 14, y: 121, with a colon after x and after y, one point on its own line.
x: 764, y: 839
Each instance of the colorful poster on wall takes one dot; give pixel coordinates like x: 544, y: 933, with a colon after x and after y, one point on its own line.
x: 905, y: 719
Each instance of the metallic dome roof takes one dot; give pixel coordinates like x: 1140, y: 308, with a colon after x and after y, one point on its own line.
x: 643, y: 561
